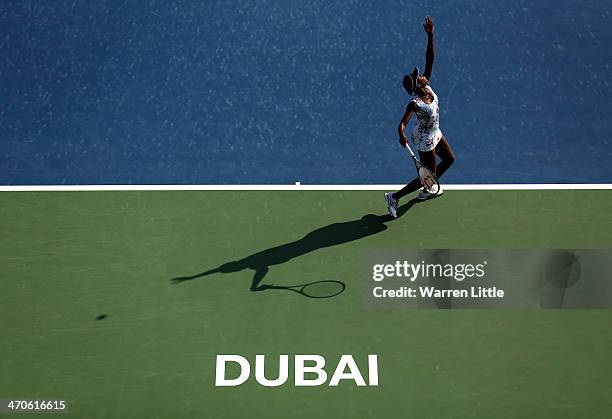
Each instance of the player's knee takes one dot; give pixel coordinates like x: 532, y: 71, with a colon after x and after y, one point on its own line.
x: 449, y: 159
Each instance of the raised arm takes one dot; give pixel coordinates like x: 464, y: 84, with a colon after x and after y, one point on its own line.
x: 429, y: 54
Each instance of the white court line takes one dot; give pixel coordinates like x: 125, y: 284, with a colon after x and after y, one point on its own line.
x: 300, y: 187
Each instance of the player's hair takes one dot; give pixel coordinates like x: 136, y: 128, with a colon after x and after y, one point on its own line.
x: 408, y: 81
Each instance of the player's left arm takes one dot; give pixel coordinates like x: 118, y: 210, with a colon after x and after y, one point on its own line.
x: 404, y: 123
x: 429, y: 54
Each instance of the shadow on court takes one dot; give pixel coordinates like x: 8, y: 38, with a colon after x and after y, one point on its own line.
x: 330, y: 235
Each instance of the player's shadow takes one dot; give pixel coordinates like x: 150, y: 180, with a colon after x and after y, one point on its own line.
x: 327, y: 236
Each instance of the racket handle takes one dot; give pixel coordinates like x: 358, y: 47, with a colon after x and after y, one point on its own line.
x: 410, y: 151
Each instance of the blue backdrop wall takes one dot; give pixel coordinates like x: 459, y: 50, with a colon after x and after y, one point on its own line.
x: 238, y: 91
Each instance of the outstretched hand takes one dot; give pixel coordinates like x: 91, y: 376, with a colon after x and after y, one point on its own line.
x: 428, y: 25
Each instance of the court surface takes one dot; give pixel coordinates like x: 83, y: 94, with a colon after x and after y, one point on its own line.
x: 266, y: 92
x: 90, y: 314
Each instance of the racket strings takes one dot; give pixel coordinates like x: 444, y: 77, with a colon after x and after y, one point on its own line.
x: 428, y: 180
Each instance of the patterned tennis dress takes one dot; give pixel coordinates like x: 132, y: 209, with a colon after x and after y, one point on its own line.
x: 426, y: 134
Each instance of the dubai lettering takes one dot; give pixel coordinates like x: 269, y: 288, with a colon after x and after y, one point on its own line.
x: 308, y: 370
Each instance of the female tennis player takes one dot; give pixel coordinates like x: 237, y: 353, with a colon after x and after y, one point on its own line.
x: 426, y: 136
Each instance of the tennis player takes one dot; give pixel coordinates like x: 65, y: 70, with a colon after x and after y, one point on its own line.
x: 426, y: 136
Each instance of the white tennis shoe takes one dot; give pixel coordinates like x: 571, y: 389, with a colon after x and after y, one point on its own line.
x: 425, y: 194
x: 391, y: 204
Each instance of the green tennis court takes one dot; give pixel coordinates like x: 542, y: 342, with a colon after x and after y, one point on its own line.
x: 90, y: 314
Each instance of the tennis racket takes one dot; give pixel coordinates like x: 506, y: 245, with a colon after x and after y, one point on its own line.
x: 428, y: 179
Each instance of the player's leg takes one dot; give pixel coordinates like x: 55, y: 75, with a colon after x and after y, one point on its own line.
x: 428, y: 159
x: 447, y: 157
x: 393, y: 198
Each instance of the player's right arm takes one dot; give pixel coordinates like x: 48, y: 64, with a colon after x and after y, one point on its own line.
x: 404, y: 123
x: 429, y: 54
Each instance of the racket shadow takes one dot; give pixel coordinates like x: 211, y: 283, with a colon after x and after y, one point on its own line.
x: 334, y: 234
x: 318, y: 289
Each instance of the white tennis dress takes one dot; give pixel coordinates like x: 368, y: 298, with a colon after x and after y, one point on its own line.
x: 426, y: 133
